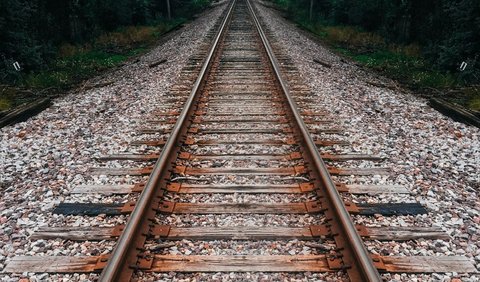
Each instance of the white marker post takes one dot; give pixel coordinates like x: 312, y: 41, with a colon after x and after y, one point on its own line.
x: 17, y: 67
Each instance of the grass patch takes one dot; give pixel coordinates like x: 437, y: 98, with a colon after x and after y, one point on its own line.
x: 475, y: 104
x: 12, y: 96
x: 403, y: 63
x: 400, y: 62
x: 64, y: 72
x: 5, y: 103
x: 75, y: 63
x: 354, y: 38
x: 413, y: 70
x: 473, y: 94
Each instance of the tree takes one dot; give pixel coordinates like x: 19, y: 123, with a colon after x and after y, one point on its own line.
x: 169, y: 13
x: 447, y: 30
x: 18, y: 42
x: 462, y: 40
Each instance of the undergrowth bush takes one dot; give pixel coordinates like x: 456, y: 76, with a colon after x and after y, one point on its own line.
x: 126, y: 39
x: 4, y: 104
x: 475, y: 102
x: 411, y: 50
x: 70, y: 69
x: 419, y: 43
x: 78, y: 62
x: 67, y: 50
x: 402, y: 62
x: 354, y: 38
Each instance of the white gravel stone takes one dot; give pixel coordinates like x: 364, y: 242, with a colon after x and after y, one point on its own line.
x: 437, y: 159
x: 43, y: 158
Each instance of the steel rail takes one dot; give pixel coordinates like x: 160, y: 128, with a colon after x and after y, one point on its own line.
x: 366, y: 270
x: 112, y: 272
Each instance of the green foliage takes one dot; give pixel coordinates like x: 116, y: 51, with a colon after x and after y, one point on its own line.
x: 474, y: 103
x: 462, y: 42
x: 77, y: 62
x: 60, y: 43
x: 5, y: 103
x: 404, y: 63
x: 200, y: 4
x: 420, y: 43
x: 446, y: 31
x: 353, y: 37
x: 69, y: 70
x: 35, y: 32
x: 126, y: 38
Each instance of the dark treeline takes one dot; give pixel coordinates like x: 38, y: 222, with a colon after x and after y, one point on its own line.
x: 32, y: 30
x: 447, y: 30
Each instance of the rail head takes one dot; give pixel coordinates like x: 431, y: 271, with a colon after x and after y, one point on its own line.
x: 366, y: 270
x: 118, y: 260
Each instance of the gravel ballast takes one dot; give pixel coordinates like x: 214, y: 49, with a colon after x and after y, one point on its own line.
x: 45, y: 157
x: 436, y: 158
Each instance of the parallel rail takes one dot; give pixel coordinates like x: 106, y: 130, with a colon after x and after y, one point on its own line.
x: 126, y: 250
x: 361, y: 266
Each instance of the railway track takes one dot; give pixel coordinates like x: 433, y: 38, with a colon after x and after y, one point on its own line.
x: 246, y: 146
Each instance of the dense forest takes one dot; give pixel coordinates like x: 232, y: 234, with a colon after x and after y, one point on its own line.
x: 446, y: 32
x: 52, y: 44
x: 33, y: 32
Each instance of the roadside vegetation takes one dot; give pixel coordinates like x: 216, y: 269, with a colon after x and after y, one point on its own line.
x: 421, y: 44
x: 75, y: 63
x: 58, y: 44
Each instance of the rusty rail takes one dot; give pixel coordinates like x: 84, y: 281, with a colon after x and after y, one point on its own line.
x: 236, y: 107
x: 121, y: 257
x: 360, y: 265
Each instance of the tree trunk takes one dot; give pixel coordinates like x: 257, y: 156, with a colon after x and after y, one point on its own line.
x: 75, y: 33
x: 169, y: 14
x: 311, y: 10
x: 405, y: 34
x: 74, y: 22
